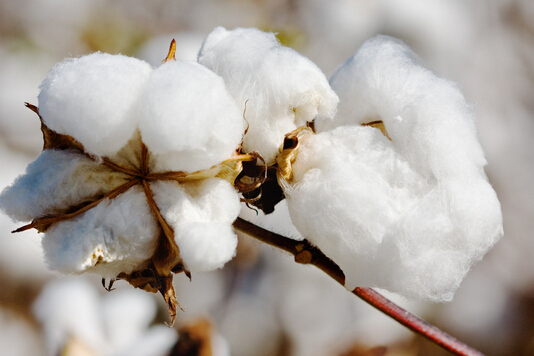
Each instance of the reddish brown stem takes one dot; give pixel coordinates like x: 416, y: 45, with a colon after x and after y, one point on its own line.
x: 305, y: 253
x: 414, y: 323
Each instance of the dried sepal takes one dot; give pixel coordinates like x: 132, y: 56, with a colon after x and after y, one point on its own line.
x: 171, y: 56
x: 378, y: 124
x: 54, y: 140
x: 150, y: 280
x: 289, y: 152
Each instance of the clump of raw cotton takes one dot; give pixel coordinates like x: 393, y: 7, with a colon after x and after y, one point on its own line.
x: 282, y: 89
x: 110, y: 105
x: 410, y: 213
x: 408, y: 209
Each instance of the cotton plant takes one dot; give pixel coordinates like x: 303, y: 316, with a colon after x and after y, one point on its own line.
x: 143, y: 168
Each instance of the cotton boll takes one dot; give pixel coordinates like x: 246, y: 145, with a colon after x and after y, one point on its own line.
x: 282, y: 89
x: 113, y: 237
x: 201, y: 215
x: 56, y: 181
x: 187, y: 118
x: 386, y: 222
x: 90, y: 99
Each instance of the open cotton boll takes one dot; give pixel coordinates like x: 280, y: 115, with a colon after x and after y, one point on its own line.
x: 56, y: 180
x: 90, y: 99
x: 113, y: 237
x: 386, y: 222
x: 201, y: 215
x: 187, y: 118
x: 282, y: 88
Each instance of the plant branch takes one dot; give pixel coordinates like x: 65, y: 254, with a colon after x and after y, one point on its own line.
x: 414, y: 323
x: 305, y: 253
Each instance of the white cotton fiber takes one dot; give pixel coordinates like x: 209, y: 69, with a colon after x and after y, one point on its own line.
x: 55, y: 181
x: 115, y: 236
x: 421, y: 112
x: 385, y: 223
x: 282, y: 88
x: 410, y: 215
x: 90, y: 98
x: 201, y: 215
x: 187, y: 118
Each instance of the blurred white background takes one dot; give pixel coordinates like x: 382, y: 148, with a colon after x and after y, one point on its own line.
x: 263, y: 303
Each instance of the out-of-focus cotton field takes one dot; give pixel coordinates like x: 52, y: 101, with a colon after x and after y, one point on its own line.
x: 263, y: 303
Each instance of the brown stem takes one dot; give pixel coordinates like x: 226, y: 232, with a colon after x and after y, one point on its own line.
x: 414, y: 323
x: 305, y: 253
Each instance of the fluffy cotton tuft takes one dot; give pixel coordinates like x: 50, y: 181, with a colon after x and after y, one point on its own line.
x: 187, y: 118
x: 201, y: 215
x: 282, y: 88
x: 410, y: 215
x: 41, y: 191
x: 115, y: 236
x: 90, y: 98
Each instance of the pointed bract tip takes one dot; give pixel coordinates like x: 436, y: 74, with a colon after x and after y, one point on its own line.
x: 171, y: 56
